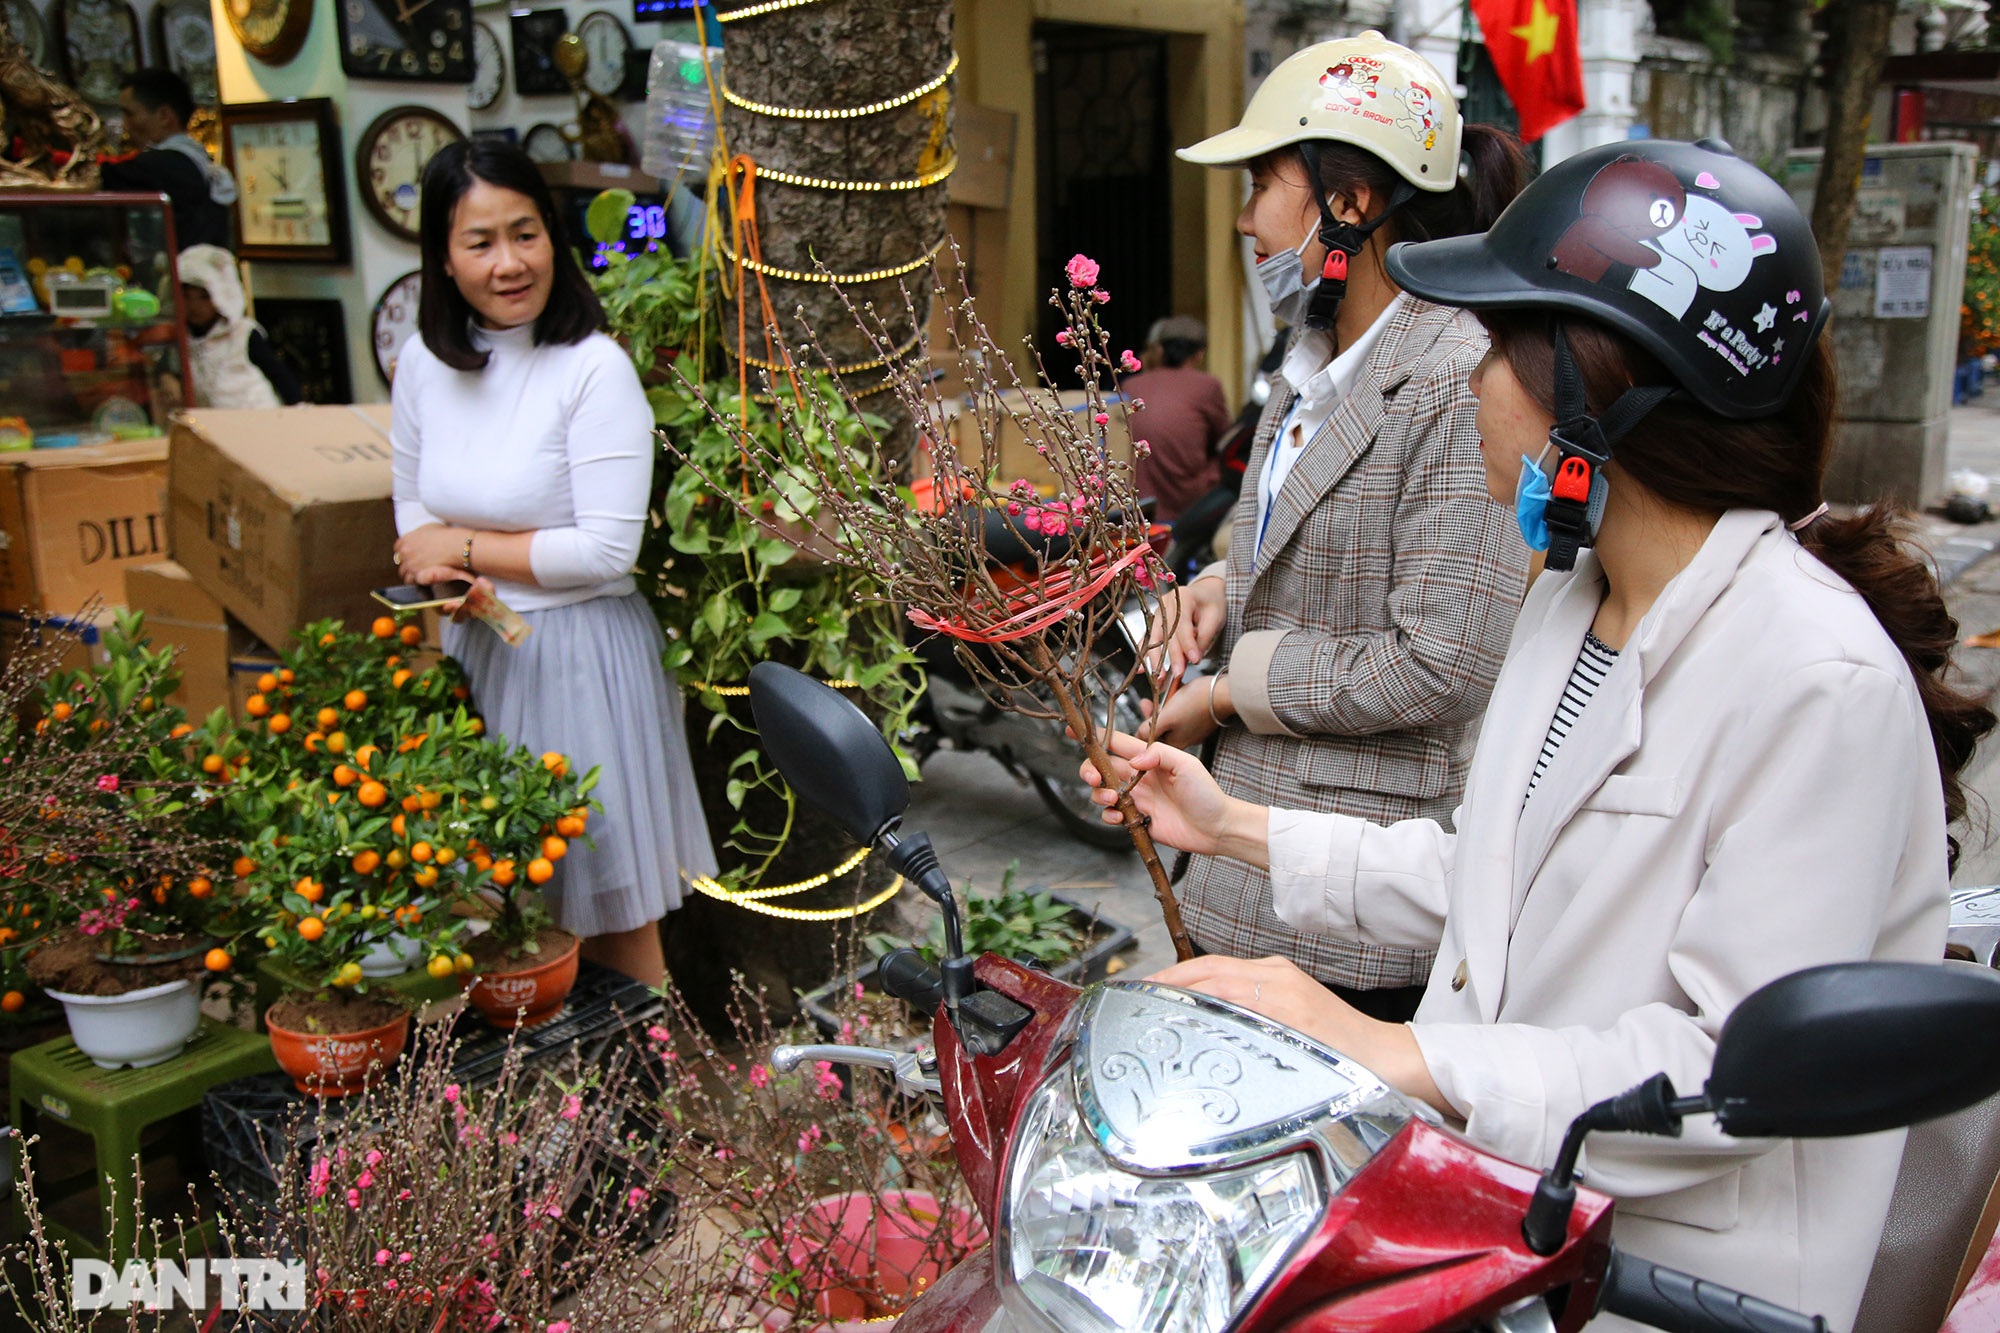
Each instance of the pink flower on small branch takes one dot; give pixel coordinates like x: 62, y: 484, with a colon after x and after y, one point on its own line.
x: 1082, y: 271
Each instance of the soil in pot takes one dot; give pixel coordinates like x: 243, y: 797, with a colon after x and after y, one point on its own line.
x: 514, y: 988
x: 70, y: 963
x: 330, y: 1043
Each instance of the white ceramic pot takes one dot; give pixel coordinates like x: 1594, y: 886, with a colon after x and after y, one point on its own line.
x: 391, y: 956
x: 138, y: 1028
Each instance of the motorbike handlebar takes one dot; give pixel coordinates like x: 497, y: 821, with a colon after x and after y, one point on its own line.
x: 1678, y: 1302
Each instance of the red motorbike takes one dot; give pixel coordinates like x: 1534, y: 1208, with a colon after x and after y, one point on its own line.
x: 1148, y: 1158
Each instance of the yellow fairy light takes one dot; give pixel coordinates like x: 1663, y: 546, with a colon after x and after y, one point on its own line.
x: 755, y: 10
x: 754, y: 899
x: 923, y: 182
x: 841, y: 112
x: 878, y: 363
x: 737, y: 691
x: 875, y: 275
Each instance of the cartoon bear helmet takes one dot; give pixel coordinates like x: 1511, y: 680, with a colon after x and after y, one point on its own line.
x: 1688, y: 250
x: 1365, y: 90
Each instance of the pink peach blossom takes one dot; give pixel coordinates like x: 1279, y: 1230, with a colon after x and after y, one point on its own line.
x: 1082, y: 271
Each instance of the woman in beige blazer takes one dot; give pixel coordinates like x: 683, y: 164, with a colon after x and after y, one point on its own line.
x: 1369, y: 590
x: 1721, y: 748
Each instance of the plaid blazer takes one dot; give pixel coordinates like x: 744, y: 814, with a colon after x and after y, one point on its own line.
x: 1362, y: 643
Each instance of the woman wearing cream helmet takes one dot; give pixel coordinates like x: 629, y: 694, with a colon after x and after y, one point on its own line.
x: 1371, y: 585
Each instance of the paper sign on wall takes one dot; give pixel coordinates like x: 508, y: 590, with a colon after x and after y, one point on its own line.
x: 1903, y: 282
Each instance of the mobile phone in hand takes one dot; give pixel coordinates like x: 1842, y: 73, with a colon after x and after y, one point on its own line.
x: 420, y: 596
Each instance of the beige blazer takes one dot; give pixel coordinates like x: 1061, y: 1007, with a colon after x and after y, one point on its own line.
x: 1752, y: 790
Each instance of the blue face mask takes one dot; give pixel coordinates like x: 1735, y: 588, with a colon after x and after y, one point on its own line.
x: 1531, y: 502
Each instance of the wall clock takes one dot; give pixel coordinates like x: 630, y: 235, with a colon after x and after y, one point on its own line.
x: 395, y: 321
x: 184, y: 40
x: 100, y: 41
x: 28, y: 30
x: 429, y: 41
x: 536, y: 32
x: 607, y: 44
x: 271, y: 30
x: 389, y: 162
x: 311, y: 335
x: 546, y: 143
x: 291, y: 203
x: 489, y: 68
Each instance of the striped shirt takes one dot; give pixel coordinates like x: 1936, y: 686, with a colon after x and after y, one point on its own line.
x: 1593, y: 662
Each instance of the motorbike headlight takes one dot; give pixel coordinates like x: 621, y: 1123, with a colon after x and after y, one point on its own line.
x: 1162, y: 1174
x: 1097, y: 1249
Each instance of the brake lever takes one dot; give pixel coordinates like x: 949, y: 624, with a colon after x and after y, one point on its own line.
x: 915, y: 1071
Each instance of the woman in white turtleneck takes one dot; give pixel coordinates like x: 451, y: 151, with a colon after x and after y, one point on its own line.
x: 1359, y: 621
x: 524, y: 459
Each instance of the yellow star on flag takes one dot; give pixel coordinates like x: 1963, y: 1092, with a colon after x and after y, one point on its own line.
x: 1539, y: 32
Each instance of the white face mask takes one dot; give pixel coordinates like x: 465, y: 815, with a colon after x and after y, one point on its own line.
x: 1283, y: 276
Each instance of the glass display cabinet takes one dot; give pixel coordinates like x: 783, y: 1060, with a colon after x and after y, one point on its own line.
x: 93, y: 342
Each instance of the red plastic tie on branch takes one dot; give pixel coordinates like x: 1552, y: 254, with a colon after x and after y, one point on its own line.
x: 1040, y: 605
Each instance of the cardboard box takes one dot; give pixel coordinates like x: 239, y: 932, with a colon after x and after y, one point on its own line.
x: 72, y: 521
x: 985, y: 141
x: 85, y: 649
x: 181, y: 614
x: 1014, y: 449
x: 283, y: 515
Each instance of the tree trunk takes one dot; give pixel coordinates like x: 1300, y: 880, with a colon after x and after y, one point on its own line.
x: 841, y: 55
x: 1854, y: 68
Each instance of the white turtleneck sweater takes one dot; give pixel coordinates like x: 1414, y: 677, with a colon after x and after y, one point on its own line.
x: 557, y: 440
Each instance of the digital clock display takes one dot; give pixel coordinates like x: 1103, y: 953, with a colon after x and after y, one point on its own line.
x: 645, y: 229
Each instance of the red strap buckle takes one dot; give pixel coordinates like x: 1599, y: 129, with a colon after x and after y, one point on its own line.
x: 1335, y: 268
x: 1572, y: 481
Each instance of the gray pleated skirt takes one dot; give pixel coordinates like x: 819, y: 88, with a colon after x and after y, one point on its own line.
x: 588, y: 683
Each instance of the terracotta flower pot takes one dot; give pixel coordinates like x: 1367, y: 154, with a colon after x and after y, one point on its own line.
x: 527, y: 993
x: 336, y: 1064
x: 878, y: 1243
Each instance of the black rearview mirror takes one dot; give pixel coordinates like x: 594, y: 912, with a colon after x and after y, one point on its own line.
x: 1855, y: 1048
x: 828, y: 750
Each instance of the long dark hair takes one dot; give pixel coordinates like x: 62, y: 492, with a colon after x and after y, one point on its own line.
x: 444, y: 317
x: 1499, y: 171
x: 1690, y: 457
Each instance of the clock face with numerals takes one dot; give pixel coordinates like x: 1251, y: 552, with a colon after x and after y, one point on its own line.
x: 395, y: 320
x: 489, y: 68
x: 422, y: 40
x: 389, y: 163
x: 607, y: 44
x: 281, y: 183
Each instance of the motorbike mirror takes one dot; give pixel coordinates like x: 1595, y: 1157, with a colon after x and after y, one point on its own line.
x: 1855, y: 1048
x: 829, y: 751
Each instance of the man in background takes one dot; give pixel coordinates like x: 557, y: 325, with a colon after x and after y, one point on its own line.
x: 156, y: 105
x: 1183, y: 417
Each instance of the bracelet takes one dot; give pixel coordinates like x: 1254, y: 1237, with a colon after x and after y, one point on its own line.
x: 465, y: 559
x: 1214, y: 716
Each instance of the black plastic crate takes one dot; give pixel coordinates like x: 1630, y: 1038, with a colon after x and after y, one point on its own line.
x: 251, y: 1123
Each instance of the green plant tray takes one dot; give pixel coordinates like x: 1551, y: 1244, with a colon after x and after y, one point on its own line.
x: 416, y: 985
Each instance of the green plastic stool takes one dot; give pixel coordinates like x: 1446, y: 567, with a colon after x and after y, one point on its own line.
x: 115, y: 1106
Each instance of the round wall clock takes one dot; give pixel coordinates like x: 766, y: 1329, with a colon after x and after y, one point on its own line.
x: 184, y: 38
x: 546, y: 143
x: 100, y: 45
x: 395, y: 321
x: 489, y: 68
x: 271, y: 30
x: 389, y: 161
x: 607, y: 43
x: 28, y: 30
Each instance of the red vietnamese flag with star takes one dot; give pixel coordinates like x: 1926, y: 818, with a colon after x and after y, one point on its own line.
x: 1534, y: 51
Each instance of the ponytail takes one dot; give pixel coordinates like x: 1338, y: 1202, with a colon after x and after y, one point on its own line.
x: 1498, y: 171
x: 1690, y: 457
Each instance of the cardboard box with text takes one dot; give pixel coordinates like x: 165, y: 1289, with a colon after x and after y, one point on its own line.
x: 73, y: 520
x: 283, y: 515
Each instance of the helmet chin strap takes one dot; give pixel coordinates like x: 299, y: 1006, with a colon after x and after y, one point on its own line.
x: 1343, y: 241
x: 1579, y: 487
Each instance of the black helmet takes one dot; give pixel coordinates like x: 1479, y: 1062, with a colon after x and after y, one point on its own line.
x: 1690, y: 251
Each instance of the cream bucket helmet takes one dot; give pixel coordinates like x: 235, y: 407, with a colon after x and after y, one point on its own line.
x: 1363, y: 90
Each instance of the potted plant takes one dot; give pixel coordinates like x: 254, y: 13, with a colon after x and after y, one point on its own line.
x: 110, y: 904
x: 731, y: 588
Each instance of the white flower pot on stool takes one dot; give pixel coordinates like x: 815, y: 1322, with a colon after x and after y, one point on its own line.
x: 139, y: 1028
